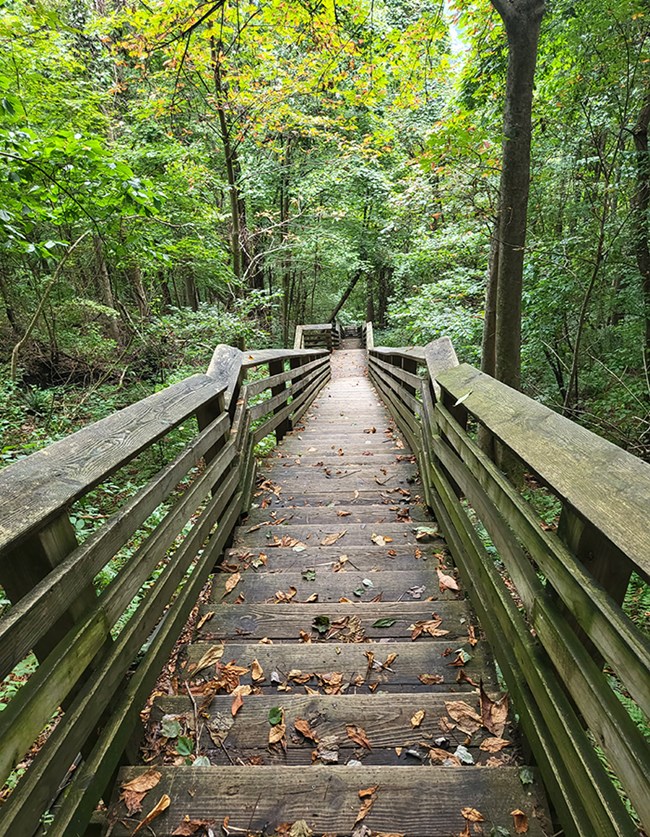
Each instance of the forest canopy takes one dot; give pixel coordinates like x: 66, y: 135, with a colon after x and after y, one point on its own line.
x: 176, y: 175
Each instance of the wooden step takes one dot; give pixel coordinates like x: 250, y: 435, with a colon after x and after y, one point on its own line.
x: 351, y: 534
x: 395, y: 732
x: 418, y: 802
x: 376, y: 513
x: 256, y: 621
x: 438, y: 659
x: 328, y: 587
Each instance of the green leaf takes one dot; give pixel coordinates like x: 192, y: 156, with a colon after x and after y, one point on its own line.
x: 359, y: 591
x: 171, y: 728
x: 201, y: 761
x: 184, y: 746
x: 275, y: 716
x: 309, y: 575
x: 384, y: 623
x: 526, y: 776
x: 321, y: 624
x: 499, y: 831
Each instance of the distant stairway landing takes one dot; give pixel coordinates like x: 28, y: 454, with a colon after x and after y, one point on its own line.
x: 334, y: 675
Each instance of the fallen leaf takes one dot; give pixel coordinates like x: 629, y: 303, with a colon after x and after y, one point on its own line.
x: 304, y: 728
x: 425, y: 533
x: 237, y: 703
x: 439, y: 756
x: 189, y: 827
x: 467, y: 720
x: 343, y: 513
x: 416, y: 592
x: 358, y: 735
x: 134, y: 792
x: 471, y: 636
x: 417, y: 718
x: 430, y: 679
x: 472, y: 815
x: 257, y: 672
x: 429, y: 626
x: 329, y: 540
x: 278, y: 727
x: 520, y: 821
x: 162, y: 805
x: 459, y: 401
x: 493, y: 745
x: 494, y: 713
x: 205, y: 618
x: 390, y: 659
x: 380, y: 540
x: 211, y: 656
x: 446, y: 582
x: 367, y: 797
x: 300, y: 829
x: 231, y: 582
x: 282, y: 597
x: 384, y: 623
x: 321, y: 624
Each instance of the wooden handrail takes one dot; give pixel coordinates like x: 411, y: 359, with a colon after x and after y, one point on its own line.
x: 565, y: 618
x: 314, y: 334
x: 89, y: 645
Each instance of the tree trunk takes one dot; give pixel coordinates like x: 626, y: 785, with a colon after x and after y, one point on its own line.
x: 522, y: 19
x: 232, y: 165
x: 104, y: 284
x: 640, y: 205
x: 357, y: 275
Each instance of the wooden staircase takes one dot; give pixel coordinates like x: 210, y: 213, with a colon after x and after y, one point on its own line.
x: 337, y: 681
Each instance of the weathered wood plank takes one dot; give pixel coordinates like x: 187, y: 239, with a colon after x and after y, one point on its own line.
x: 427, y: 802
x: 61, y: 473
x: 256, y: 621
x: 601, y: 481
x: 350, y: 660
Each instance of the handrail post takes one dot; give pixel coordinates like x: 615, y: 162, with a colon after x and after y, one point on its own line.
x: 299, y: 338
x: 275, y: 368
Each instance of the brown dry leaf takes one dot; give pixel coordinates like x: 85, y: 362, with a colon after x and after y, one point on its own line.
x: 282, y: 597
x: 446, y: 582
x: 343, y: 513
x: 380, y: 540
x: 520, y: 821
x: 471, y: 636
x: 265, y: 641
x: 300, y: 829
x: 494, y: 713
x: 205, y: 618
x: 462, y: 677
x: 189, y: 827
x: 467, y: 720
x: 299, y: 676
x: 331, y: 682
x: 278, y: 731
x: 211, y: 656
x: 358, y: 735
x: 472, y: 815
x: 417, y: 718
x: 134, y: 792
x: 493, y: 745
x: 237, y: 703
x: 330, y: 540
x: 439, y: 756
x: 304, y: 728
x: 428, y: 626
x: 311, y: 599
x: 257, y: 672
x: 162, y: 805
x: 367, y: 797
x: 390, y: 659
x: 305, y: 637
x: 231, y: 582
x: 430, y: 679
x: 342, y: 561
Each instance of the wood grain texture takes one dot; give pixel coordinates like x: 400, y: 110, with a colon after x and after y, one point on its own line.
x: 61, y: 473
x: 423, y: 801
x: 609, y: 487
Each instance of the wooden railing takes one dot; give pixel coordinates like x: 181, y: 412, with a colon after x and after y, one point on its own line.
x: 100, y: 651
x: 323, y: 335
x: 551, y: 607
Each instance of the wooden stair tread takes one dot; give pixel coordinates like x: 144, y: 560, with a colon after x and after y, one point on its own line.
x: 259, y: 799
x: 349, y: 659
x: 385, y: 719
x: 357, y: 534
x: 256, y: 621
x: 369, y: 514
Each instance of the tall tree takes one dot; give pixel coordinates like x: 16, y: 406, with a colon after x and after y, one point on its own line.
x: 502, y: 332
